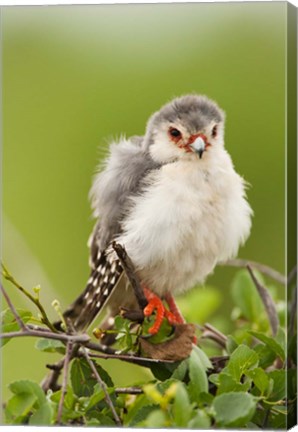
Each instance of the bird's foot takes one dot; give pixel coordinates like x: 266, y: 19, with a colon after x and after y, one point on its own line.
x: 155, y: 303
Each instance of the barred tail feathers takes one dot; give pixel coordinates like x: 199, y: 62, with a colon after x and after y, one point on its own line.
x: 103, y: 279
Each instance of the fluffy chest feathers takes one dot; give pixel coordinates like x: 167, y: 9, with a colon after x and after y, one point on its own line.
x: 188, y: 218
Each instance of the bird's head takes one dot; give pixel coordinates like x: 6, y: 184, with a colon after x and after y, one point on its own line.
x: 189, y: 127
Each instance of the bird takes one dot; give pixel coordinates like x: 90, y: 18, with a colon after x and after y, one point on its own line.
x: 174, y: 201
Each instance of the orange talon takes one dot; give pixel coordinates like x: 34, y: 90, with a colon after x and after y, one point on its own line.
x: 154, y: 303
x: 172, y: 319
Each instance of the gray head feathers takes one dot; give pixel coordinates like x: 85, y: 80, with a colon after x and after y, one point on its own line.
x: 194, y: 111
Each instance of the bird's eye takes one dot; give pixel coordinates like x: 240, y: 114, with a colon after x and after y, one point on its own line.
x: 175, y: 133
x: 214, y: 131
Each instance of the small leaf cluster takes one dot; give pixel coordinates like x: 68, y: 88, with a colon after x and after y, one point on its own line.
x: 250, y: 384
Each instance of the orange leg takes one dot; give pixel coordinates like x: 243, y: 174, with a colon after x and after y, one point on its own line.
x: 178, y: 318
x: 175, y: 312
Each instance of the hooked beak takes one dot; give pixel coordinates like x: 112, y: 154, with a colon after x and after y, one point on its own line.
x: 198, y: 146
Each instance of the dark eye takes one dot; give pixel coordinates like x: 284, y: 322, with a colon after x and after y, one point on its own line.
x: 214, y: 131
x: 175, y: 133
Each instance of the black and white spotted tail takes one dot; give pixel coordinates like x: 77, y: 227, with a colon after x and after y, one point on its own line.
x: 104, y: 277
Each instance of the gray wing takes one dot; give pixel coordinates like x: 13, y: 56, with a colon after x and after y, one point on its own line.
x: 124, y: 171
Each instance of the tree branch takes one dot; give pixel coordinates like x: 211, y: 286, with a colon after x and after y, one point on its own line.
x: 76, y: 338
x: 210, y: 332
x: 102, y: 385
x: 51, y: 380
x: 109, y: 353
x: 13, y: 310
x: 64, y: 380
x: 273, y: 274
x: 267, y: 301
x: 128, y: 267
x: 129, y: 390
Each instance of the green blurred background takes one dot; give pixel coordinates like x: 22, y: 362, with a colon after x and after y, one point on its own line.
x: 75, y: 77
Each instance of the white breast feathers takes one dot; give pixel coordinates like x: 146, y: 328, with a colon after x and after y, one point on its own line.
x: 192, y: 215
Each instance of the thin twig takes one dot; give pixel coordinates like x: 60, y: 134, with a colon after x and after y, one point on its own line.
x: 129, y: 390
x: 128, y: 267
x: 64, y: 380
x: 33, y: 299
x: 267, y: 301
x: 34, y: 327
x: 102, y: 385
x: 210, y: 332
x: 76, y: 338
x: 109, y: 353
x: 13, y: 310
x: 50, y: 382
x: 272, y: 273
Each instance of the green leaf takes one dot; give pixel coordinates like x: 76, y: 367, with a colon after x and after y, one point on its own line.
x: 260, y: 379
x: 97, y: 396
x: 266, y: 355
x: 133, y: 409
x: 198, y: 377
x: 200, y: 421
x: 164, y: 385
x: 124, y: 337
x: 92, y: 422
x: 281, y: 338
x: 9, y: 323
x: 163, y: 371
x: 241, y: 360
x: 163, y: 333
x: 231, y: 344
x: 19, y: 406
x: 82, y: 379
x: 156, y: 419
x: 279, y: 378
x: 70, y: 407
x: 181, y: 371
x: 181, y: 406
x: 30, y: 387
x: 29, y: 397
x: 214, y: 379
x: 226, y: 383
x: 234, y: 409
x: 50, y: 346
x: 102, y: 418
x: 206, y: 398
x: 270, y: 342
x: 42, y: 416
x: 246, y: 297
x: 141, y: 415
x: 206, y: 363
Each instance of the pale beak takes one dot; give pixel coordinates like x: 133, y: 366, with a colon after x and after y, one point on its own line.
x: 198, y: 146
